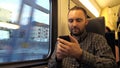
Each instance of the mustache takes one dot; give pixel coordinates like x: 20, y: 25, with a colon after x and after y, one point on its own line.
x: 75, y: 28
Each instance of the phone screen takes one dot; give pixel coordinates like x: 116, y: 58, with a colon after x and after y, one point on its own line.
x: 65, y: 38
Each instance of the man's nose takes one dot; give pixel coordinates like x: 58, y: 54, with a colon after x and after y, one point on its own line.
x: 74, y: 23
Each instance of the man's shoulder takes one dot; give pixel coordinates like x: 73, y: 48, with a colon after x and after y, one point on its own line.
x: 95, y: 35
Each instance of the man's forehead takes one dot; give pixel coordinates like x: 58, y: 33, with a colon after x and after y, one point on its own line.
x: 76, y: 11
x: 76, y: 14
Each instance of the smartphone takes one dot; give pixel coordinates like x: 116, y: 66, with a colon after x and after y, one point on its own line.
x: 65, y: 37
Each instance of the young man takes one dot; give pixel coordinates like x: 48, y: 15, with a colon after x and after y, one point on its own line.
x: 86, y: 50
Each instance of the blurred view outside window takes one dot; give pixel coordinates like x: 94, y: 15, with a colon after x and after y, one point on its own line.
x: 24, y: 30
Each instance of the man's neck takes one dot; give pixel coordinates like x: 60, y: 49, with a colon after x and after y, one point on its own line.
x: 81, y: 36
x: 76, y: 37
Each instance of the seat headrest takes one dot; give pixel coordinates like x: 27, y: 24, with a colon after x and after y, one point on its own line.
x: 96, y: 25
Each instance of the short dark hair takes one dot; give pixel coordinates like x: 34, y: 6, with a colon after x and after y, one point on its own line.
x: 79, y: 8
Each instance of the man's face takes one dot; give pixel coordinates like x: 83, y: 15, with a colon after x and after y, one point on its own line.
x: 76, y: 22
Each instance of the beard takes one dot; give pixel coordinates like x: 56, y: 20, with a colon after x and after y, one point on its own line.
x: 76, y: 31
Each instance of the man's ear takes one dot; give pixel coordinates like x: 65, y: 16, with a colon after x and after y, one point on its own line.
x: 86, y: 22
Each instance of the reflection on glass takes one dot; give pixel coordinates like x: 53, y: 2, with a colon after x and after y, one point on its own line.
x: 25, y: 15
x: 4, y: 34
x: 31, y: 40
x: 9, y: 10
x: 43, y: 3
x: 41, y: 17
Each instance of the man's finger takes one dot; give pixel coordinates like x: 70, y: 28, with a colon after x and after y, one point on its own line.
x: 61, y: 50
x: 63, y: 41
x: 73, y: 39
x: 62, y: 47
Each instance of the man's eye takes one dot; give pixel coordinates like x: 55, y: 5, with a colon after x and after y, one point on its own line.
x: 70, y: 20
x: 78, y: 20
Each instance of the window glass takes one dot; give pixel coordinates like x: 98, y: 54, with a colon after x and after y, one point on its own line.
x: 43, y: 3
x: 24, y: 30
x: 9, y: 10
x: 25, y: 15
x: 41, y: 17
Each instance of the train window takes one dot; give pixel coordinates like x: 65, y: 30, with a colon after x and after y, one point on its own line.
x: 25, y: 15
x: 25, y: 30
x: 42, y: 3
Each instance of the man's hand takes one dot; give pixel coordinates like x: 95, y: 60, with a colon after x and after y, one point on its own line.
x: 71, y: 49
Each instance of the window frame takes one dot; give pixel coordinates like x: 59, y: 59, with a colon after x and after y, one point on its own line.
x: 53, y: 35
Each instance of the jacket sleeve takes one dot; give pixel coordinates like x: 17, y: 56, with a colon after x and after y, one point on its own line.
x: 53, y: 62
x: 103, y: 57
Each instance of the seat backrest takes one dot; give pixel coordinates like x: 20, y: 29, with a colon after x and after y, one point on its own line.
x: 110, y: 37
x: 119, y: 39
x: 96, y: 25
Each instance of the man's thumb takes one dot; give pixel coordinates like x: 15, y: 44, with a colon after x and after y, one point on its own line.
x: 73, y: 39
